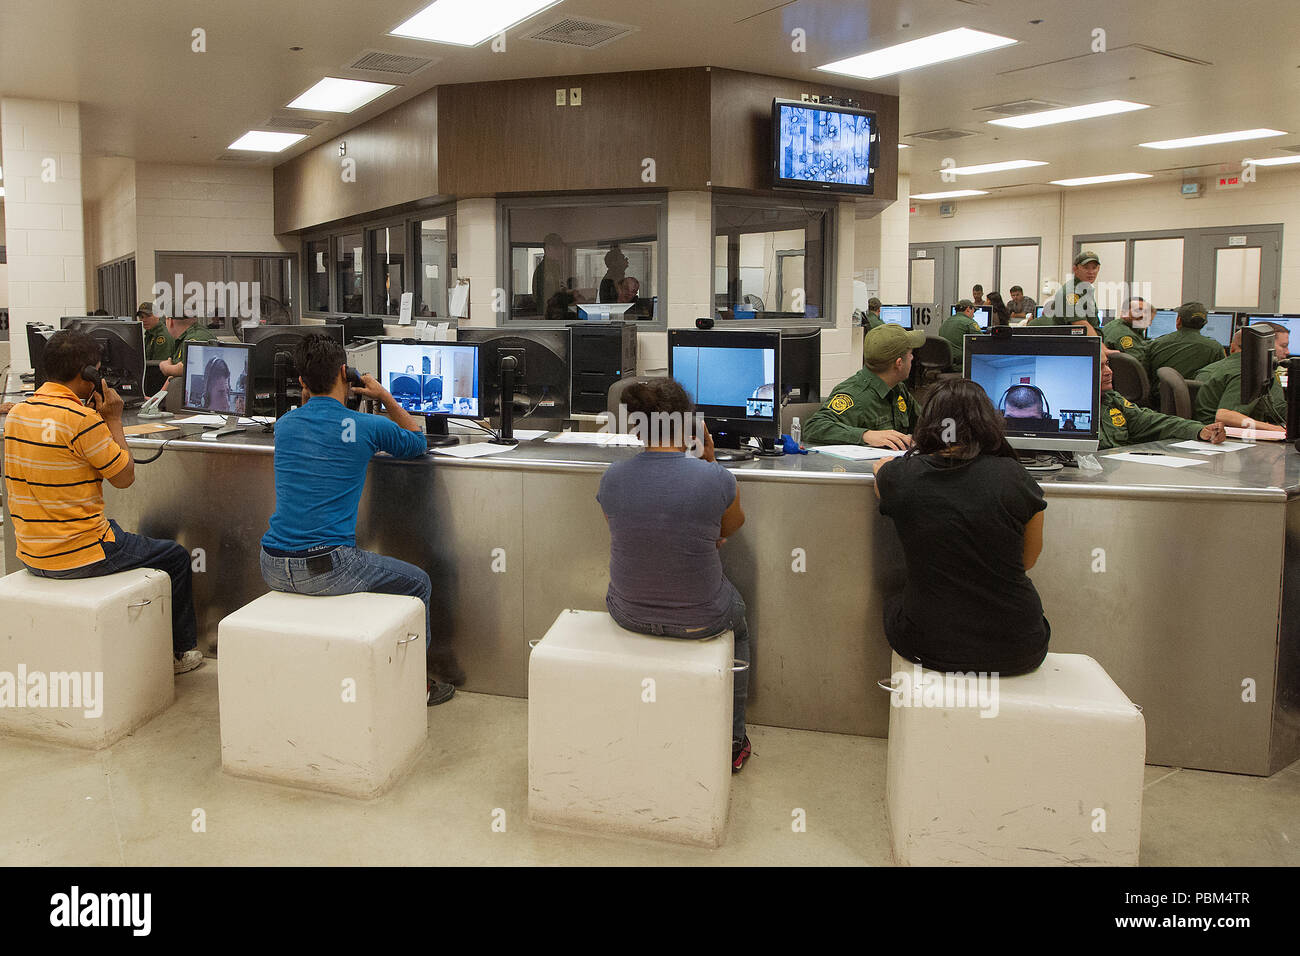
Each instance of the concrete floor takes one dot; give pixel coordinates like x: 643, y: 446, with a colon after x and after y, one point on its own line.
x: 133, y: 804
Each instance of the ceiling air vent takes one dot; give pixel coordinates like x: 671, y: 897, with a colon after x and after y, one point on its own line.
x: 391, y: 64
x: 1019, y: 107
x: 237, y: 158
x: 1292, y: 149
x: 587, y: 34
x: 300, y: 123
x: 942, y: 135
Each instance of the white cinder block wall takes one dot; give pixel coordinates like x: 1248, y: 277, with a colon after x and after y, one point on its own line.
x: 41, y: 142
x: 110, y: 226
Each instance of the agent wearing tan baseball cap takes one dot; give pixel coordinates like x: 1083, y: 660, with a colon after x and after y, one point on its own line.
x: 874, y: 406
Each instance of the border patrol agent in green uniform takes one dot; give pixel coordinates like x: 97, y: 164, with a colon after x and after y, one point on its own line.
x: 1221, y: 390
x: 196, y: 331
x: 158, y: 343
x: 1075, y: 302
x: 1120, y: 335
x: 1123, y: 423
x: 955, y: 328
x: 874, y: 406
x: 871, y: 320
x: 1185, y: 350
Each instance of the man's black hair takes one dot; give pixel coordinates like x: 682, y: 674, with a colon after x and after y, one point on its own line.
x: 67, y: 353
x: 318, y: 359
x: 657, y: 395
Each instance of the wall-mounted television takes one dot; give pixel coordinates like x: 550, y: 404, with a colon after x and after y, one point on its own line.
x: 832, y: 149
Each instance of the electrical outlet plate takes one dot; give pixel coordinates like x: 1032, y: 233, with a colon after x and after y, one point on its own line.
x: 559, y: 97
x: 575, y: 96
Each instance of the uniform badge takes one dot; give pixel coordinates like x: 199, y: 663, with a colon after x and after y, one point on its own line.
x: 1128, y: 404
x: 1117, y: 418
x: 1074, y: 297
x: 1126, y: 342
x: 902, y: 405
x: 841, y: 403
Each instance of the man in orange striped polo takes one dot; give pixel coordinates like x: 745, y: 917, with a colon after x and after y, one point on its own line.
x: 58, y: 450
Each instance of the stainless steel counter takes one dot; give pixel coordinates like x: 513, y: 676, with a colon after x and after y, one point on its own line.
x: 1183, y: 583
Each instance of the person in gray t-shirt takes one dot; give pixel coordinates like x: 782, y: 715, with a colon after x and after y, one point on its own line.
x: 669, y: 512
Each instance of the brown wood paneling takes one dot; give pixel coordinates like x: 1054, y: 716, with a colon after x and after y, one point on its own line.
x: 741, y: 112
x: 397, y: 162
x: 509, y: 136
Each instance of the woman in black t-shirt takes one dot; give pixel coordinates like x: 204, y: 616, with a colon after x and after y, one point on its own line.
x: 970, y: 519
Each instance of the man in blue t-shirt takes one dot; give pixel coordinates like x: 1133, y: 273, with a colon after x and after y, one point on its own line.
x: 669, y: 512
x: 322, y: 451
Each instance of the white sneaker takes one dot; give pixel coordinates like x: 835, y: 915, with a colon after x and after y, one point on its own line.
x: 187, y: 662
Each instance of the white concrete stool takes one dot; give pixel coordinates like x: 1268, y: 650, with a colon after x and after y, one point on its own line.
x: 1059, y: 758
x: 630, y: 734
x: 326, y: 693
x: 84, y: 661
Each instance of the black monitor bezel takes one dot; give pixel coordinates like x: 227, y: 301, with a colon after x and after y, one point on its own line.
x: 478, y: 365
x: 734, y: 338
x: 825, y: 189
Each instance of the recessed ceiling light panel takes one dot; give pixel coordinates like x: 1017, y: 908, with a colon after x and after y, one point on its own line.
x: 995, y: 167
x: 1094, y: 180
x: 1213, y: 138
x: 939, y: 48
x: 1069, y: 114
x: 951, y: 194
x: 335, y: 95
x: 468, y: 22
x: 263, y: 141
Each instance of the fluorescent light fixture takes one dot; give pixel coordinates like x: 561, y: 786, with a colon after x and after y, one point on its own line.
x: 468, y: 22
x: 1277, y: 161
x: 335, y: 95
x: 1069, y: 114
x: 1112, y: 178
x: 952, y: 45
x: 261, y: 141
x: 995, y: 167
x: 904, y: 145
x: 1213, y: 138
x: 952, y: 194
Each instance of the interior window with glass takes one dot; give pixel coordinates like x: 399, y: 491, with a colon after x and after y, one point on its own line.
x: 316, y: 264
x: 349, y: 276
x: 571, y: 261
x: 268, y: 283
x: 436, y: 267
x: 388, y: 264
x: 769, y: 260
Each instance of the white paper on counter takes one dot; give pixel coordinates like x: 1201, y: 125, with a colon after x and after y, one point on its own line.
x: 1206, y: 447
x: 529, y: 434
x: 606, y: 439
x: 209, y: 420
x: 857, y: 452
x: 476, y: 450
x: 1164, y: 461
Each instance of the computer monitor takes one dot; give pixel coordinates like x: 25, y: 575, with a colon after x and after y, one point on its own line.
x: 121, y: 344
x: 1046, y: 387
x: 37, y: 337
x: 981, y: 315
x: 359, y: 326
x: 269, y: 341
x: 1288, y: 321
x: 438, y: 380
x: 897, y: 315
x: 732, y: 377
x: 801, y: 365
x: 602, y: 311
x: 217, y: 380
x: 1220, y: 326
x: 1165, y: 321
x: 542, y: 378
x: 1257, y: 361
x: 68, y: 321
x: 1038, y: 311
x: 1075, y: 330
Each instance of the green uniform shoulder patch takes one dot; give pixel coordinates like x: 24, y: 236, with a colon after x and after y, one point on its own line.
x: 841, y: 403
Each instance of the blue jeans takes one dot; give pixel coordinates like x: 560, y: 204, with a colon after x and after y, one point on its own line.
x: 352, y: 572
x: 132, y: 551
x: 734, y: 621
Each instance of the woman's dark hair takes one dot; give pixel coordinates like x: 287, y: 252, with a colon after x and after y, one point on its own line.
x: 319, y: 358
x: 959, y: 410
x: 657, y: 395
x: 214, y: 370
x: 999, y: 313
x: 67, y: 353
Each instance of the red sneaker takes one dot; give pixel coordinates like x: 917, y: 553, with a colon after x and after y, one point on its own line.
x: 739, y: 754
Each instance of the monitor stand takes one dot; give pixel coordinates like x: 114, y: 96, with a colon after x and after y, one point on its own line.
x: 727, y: 447
x: 1046, y: 463
x: 230, y: 427
x: 767, y: 448
x: 435, y: 432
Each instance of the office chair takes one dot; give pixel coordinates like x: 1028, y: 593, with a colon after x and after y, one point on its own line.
x: 1130, y: 378
x: 1175, y: 396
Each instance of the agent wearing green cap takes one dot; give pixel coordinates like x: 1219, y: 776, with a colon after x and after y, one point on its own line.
x: 1124, y: 335
x: 956, y: 327
x: 1185, y: 350
x: 871, y: 320
x: 1123, y: 423
x: 1219, y: 399
x: 1075, y: 303
x: 872, y: 407
x: 158, y: 343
